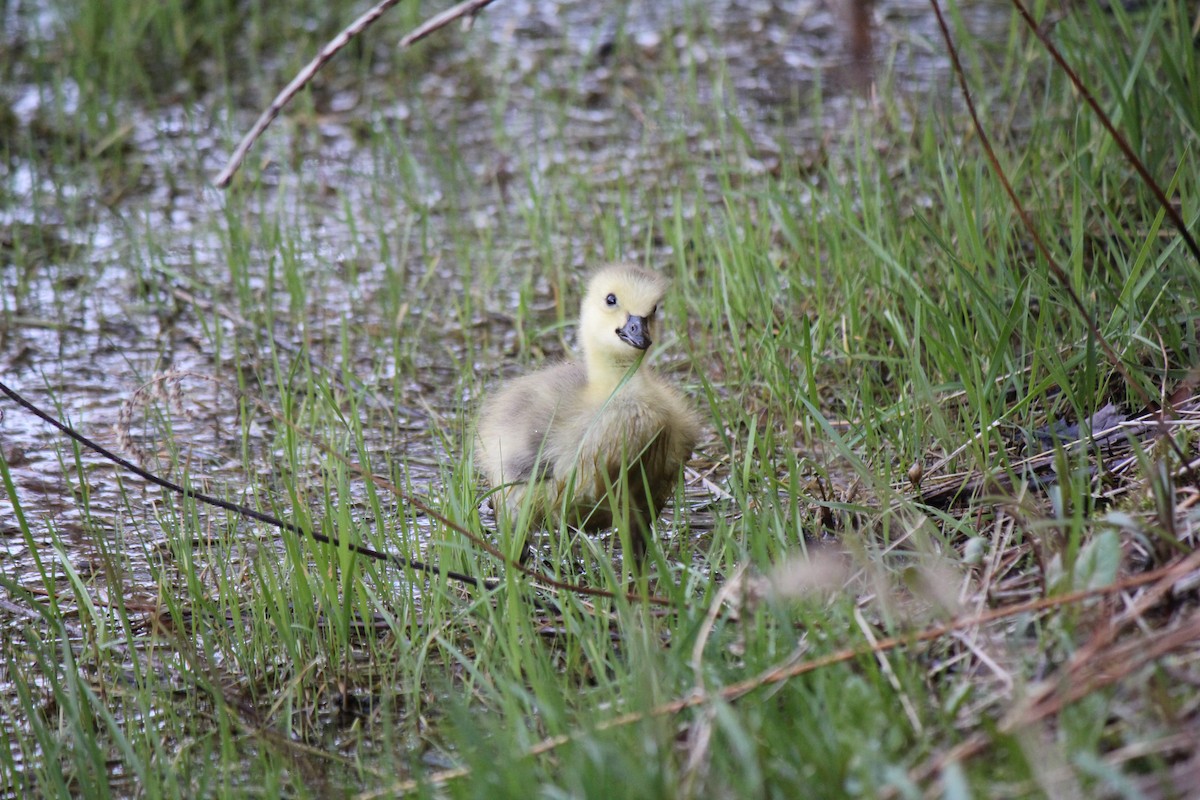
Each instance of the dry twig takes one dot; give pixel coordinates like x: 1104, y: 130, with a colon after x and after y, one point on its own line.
x: 1163, y: 578
x: 1027, y: 221
x: 332, y: 48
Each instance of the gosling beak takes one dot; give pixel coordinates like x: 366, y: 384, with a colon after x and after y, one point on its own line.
x: 635, y: 332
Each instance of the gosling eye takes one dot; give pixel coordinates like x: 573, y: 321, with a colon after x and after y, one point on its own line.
x: 611, y: 299
x: 654, y: 310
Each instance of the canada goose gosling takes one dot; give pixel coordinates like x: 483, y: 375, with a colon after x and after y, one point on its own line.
x: 597, y: 442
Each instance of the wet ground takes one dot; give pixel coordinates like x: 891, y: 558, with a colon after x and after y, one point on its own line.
x: 112, y: 276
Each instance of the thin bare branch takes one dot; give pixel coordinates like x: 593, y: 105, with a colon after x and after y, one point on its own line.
x: 1130, y: 156
x: 241, y: 510
x: 331, y: 49
x: 463, y: 10
x: 543, y: 580
x: 1164, y: 578
x: 1057, y: 270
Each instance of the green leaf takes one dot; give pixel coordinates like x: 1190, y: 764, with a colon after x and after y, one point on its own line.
x: 1098, y: 561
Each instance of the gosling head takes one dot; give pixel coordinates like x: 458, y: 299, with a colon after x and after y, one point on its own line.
x: 616, y: 319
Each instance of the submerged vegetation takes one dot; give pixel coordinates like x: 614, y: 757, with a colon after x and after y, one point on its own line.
x: 934, y: 540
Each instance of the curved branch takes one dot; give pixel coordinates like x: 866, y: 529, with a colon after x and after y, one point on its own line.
x: 1130, y: 156
x: 332, y: 48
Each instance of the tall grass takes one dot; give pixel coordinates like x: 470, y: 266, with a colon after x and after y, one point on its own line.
x: 860, y: 317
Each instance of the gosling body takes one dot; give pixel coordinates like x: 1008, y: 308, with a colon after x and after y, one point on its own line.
x: 599, y: 441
